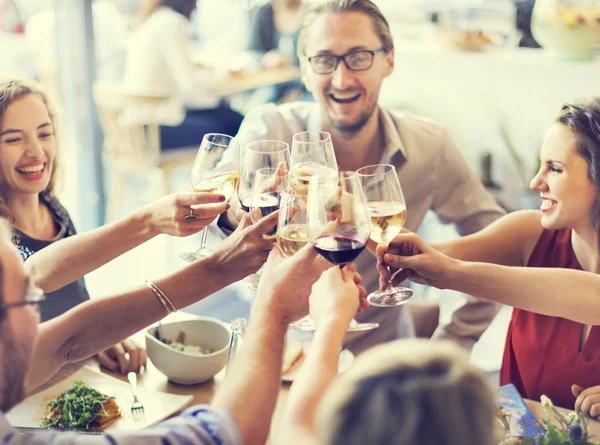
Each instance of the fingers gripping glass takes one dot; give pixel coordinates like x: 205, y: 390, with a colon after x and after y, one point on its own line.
x: 387, y: 211
x: 34, y: 296
x: 210, y: 175
x: 355, y: 61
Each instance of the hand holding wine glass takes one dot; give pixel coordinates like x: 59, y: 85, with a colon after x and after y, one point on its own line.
x: 269, y: 183
x: 387, y: 211
x: 338, y: 223
x: 208, y: 177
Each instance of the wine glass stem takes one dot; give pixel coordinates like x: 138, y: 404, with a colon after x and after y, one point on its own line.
x: 202, y: 245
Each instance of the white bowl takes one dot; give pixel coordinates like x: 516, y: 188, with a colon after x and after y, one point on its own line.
x: 184, y: 368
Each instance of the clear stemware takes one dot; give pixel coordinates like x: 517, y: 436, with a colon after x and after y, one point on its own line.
x: 207, y: 176
x: 387, y: 211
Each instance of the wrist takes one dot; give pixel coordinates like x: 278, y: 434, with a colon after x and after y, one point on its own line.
x: 454, y: 274
x: 144, y: 220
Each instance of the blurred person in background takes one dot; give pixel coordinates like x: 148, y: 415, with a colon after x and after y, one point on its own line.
x: 274, y: 35
x: 159, y: 61
x: 56, y: 257
x: 346, y: 51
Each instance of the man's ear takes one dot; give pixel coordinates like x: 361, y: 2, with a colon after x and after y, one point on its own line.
x: 304, y: 66
x: 390, y: 59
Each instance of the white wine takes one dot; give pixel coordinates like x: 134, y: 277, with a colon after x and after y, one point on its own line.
x: 226, y: 183
x: 301, y: 174
x: 387, y: 220
x: 292, y: 238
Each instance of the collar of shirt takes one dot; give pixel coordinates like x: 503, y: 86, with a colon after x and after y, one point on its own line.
x: 394, y: 151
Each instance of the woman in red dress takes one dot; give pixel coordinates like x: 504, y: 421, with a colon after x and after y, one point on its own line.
x: 553, y: 342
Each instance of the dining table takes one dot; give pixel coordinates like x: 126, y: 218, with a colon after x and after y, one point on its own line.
x: 152, y: 379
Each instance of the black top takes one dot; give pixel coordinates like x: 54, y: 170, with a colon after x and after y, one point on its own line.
x: 69, y: 296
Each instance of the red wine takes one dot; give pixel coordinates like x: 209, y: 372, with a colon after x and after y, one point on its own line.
x: 339, y: 249
x: 266, y: 202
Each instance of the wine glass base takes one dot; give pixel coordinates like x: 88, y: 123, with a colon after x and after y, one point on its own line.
x: 307, y: 324
x: 252, y: 281
x: 397, y: 297
x: 193, y: 253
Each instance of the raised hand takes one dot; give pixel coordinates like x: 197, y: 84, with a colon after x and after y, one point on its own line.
x: 420, y: 261
x: 337, y: 295
x: 286, y: 283
x: 185, y: 213
x: 248, y: 247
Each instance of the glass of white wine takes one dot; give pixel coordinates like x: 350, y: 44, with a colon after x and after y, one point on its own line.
x: 312, y: 155
x: 292, y: 232
x: 387, y: 211
x: 208, y: 177
x: 269, y: 184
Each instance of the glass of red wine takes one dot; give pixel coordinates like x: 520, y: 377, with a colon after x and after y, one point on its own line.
x: 269, y: 184
x: 338, y: 223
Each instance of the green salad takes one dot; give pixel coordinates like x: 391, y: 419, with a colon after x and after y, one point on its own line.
x: 80, y: 407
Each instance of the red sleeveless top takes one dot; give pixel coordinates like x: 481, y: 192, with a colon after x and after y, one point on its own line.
x: 541, y: 356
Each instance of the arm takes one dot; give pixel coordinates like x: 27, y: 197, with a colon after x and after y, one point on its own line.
x: 98, y: 324
x: 256, y: 372
x: 566, y: 293
x: 333, y: 303
x: 71, y: 258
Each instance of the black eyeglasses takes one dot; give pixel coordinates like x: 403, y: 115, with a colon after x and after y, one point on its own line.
x: 34, y: 296
x: 355, y: 61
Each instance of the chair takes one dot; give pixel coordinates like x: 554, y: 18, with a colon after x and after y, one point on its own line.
x: 130, y: 121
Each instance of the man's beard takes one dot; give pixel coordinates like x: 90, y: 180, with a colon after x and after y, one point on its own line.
x: 14, y: 368
x: 351, y: 129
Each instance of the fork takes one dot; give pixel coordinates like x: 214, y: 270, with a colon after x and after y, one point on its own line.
x: 137, y: 409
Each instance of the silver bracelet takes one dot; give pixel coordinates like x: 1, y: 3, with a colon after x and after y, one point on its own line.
x: 160, y: 296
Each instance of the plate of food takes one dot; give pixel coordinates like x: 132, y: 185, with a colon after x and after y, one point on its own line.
x: 91, y: 401
x: 295, y: 354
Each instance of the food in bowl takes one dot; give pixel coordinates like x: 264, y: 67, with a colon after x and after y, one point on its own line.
x: 179, y: 345
x: 81, y: 408
x: 187, y: 368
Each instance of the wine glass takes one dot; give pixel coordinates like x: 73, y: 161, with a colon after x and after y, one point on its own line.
x: 338, y: 227
x: 257, y: 155
x: 312, y: 154
x: 292, y: 231
x: 338, y: 223
x: 269, y: 183
x: 387, y: 211
x: 208, y: 177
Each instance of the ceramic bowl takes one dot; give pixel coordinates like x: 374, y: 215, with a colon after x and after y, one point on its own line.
x: 184, y: 368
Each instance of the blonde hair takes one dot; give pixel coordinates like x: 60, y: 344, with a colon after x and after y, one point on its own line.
x: 409, y: 392
x: 12, y: 89
x: 367, y: 7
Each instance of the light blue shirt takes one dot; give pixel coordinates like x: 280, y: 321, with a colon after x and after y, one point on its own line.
x: 199, y: 425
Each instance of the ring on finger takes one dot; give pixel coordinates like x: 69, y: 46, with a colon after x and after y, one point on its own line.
x: 191, y: 216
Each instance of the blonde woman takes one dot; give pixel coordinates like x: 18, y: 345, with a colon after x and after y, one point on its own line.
x: 403, y: 393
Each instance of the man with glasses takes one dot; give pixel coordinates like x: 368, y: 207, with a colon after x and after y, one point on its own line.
x: 346, y: 51
x: 32, y: 353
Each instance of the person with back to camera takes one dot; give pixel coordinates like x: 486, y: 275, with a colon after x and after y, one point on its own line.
x: 158, y: 60
x: 346, y: 51
x: 56, y: 257
x: 402, y: 393
x: 553, y: 254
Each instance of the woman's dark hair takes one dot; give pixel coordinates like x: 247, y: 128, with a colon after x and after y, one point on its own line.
x: 584, y: 120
